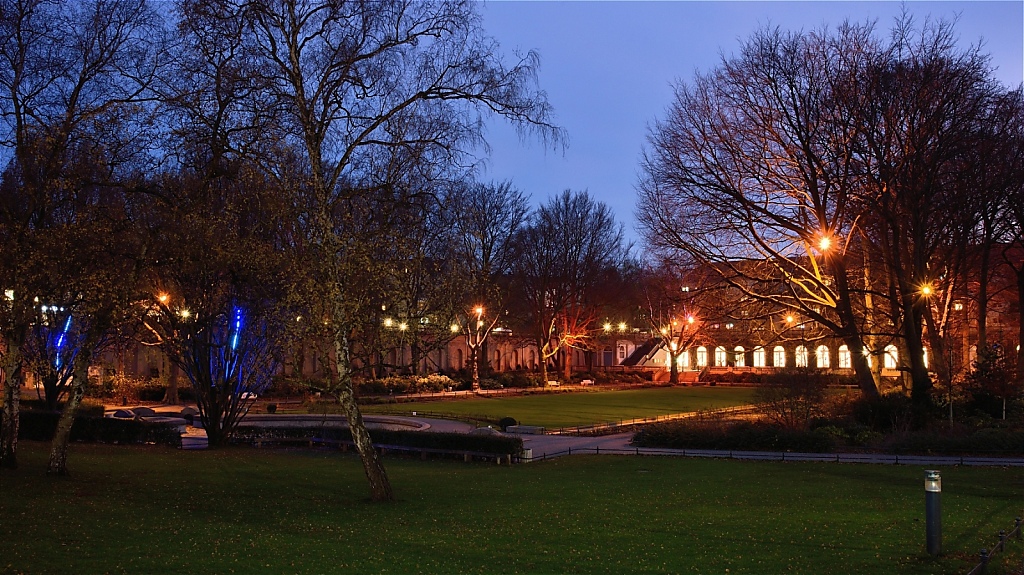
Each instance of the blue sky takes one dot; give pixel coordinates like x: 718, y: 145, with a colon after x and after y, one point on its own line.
x: 608, y: 68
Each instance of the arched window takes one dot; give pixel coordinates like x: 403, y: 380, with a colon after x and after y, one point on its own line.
x: 533, y: 359
x: 702, y: 356
x: 867, y: 354
x: 458, y: 359
x: 925, y: 352
x: 721, y: 357
x: 844, y: 357
x: 779, y: 356
x: 741, y: 360
x: 824, y: 361
x: 891, y: 357
x: 801, y: 356
x: 684, y: 359
x: 759, y: 357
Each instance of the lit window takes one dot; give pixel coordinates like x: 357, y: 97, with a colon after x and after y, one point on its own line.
x: 779, y: 356
x: 824, y: 361
x: 801, y: 356
x: 721, y: 357
x: 759, y: 357
x: 844, y: 357
x: 891, y: 357
x: 702, y: 356
x: 740, y: 356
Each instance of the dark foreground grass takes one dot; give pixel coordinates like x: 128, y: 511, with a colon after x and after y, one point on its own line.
x: 158, y: 510
x: 555, y: 410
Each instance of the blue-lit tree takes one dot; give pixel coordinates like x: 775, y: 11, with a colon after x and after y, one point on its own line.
x: 227, y: 356
x: 50, y: 352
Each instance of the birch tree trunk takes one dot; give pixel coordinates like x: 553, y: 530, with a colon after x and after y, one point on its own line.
x: 380, y: 486
x: 58, y: 464
x: 9, y: 423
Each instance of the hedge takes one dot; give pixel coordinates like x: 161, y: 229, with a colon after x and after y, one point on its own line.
x: 739, y: 436
x: 498, y: 445
x: 41, y: 426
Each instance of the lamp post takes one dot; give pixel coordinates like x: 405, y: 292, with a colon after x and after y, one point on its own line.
x: 933, y: 511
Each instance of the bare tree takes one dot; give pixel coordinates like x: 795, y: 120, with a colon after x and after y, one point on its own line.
x: 925, y: 104
x: 370, y: 90
x: 752, y: 174
x: 565, y: 248
x: 72, y: 78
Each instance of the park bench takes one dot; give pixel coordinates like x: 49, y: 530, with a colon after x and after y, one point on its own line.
x: 587, y: 382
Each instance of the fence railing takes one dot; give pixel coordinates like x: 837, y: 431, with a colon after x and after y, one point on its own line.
x: 986, y: 554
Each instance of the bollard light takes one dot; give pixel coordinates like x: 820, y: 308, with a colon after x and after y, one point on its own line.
x: 933, y: 511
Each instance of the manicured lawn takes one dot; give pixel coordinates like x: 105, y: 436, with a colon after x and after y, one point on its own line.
x: 156, y: 510
x: 554, y: 410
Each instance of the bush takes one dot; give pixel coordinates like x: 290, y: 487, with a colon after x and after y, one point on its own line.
x: 399, y: 384
x: 731, y: 436
x: 892, y: 412
x: 792, y: 398
x: 505, y: 422
x: 88, y: 407
x: 518, y: 379
x: 41, y: 425
x: 498, y: 445
x: 981, y: 442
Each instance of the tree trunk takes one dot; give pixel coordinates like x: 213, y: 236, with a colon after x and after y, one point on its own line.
x: 1020, y: 326
x: 673, y: 370
x: 474, y: 351
x: 543, y: 362
x: 921, y: 381
x: 568, y: 365
x: 171, y: 395
x: 380, y: 486
x: 11, y: 418
x: 80, y: 380
x: 983, y: 299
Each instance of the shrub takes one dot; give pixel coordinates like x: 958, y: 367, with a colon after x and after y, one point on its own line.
x: 88, y: 407
x: 271, y: 408
x: 734, y: 436
x: 126, y: 387
x: 518, y: 379
x: 488, y: 383
x: 793, y: 398
x: 41, y: 425
x: 498, y: 445
x: 505, y: 422
x: 892, y: 412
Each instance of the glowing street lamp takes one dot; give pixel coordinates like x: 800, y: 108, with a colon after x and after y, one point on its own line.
x: 607, y: 327
x: 622, y: 326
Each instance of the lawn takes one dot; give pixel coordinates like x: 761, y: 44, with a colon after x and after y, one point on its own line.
x: 157, y: 510
x: 554, y: 410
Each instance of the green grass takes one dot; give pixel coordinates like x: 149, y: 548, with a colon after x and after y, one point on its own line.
x: 554, y: 410
x: 156, y: 510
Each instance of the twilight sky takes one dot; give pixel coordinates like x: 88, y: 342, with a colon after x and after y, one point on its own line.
x: 608, y: 67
